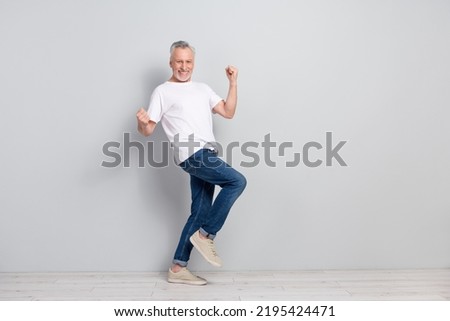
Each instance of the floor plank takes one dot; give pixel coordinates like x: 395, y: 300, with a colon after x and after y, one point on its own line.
x: 320, y: 285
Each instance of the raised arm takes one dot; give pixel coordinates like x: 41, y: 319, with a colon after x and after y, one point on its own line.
x: 227, y: 108
x: 145, y: 125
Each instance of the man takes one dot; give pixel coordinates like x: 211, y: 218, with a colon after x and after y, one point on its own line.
x: 185, y: 110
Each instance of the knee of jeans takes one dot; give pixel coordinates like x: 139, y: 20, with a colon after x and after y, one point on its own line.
x: 241, y: 182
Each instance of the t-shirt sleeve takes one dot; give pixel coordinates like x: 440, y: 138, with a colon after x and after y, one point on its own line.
x: 155, y: 108
x: 214, y: 99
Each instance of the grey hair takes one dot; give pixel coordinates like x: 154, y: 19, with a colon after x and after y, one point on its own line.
x: 181, y: 44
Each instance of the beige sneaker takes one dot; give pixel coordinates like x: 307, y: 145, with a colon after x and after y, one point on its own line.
x: 206, y: 249
x: 184, y: 276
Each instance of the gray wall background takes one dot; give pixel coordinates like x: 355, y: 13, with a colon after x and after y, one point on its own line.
x: 375, y: 73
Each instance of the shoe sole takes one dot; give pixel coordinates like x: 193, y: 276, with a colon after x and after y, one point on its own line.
x: 179, y: 281
x: 192, y: 239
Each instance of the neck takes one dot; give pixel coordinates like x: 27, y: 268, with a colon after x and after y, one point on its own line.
x: 174, y: 79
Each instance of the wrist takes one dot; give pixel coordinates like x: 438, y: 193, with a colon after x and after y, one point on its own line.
x: 143, y: 124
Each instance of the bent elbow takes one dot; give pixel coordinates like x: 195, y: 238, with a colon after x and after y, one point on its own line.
x: 229, y: 115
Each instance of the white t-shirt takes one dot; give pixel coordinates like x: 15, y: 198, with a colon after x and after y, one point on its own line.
x: 185, y: 112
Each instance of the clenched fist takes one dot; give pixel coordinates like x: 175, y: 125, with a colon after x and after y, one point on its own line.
x: 232, y: 73
x: 145, y: 125
x: 142, y: 117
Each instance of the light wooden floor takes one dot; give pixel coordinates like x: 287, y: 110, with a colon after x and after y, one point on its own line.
x: 332, y: 285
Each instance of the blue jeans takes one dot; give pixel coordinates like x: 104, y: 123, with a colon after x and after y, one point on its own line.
x: 206, y: 171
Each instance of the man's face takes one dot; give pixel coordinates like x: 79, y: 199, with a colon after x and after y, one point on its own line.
x: 182, y: 64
